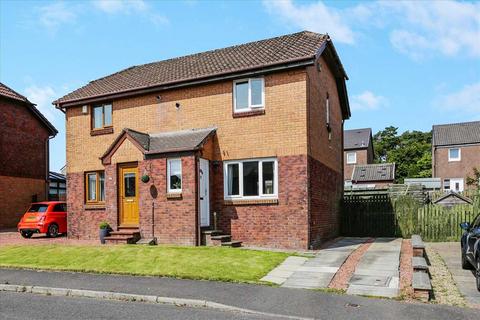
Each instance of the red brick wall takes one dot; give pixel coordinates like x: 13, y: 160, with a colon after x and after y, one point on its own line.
x: 15, y: 197
x: 326, y: 190
x: 22, y: 141
x: 23, y: 159
x: 175, y: 219
x: 282, y: 225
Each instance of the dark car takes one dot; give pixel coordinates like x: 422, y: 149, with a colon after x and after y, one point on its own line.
x: 470, y: 244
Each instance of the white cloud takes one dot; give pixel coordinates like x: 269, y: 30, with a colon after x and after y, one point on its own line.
x: 130, y: 6
x: 314, y: 17
x: 367, y: 101
x: 448, y: 27
x: 417, y: 28
x: 55, y: 14
x: 43, y: 97
x: 465, y: 100
x: 120, y: 6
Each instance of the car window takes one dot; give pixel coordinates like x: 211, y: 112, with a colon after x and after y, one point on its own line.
x: 60, y: 207
x: 38, y: 207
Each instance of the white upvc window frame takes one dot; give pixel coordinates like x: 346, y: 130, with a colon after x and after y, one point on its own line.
x: 240, y: 196
x: 251, y: 107
x: 450, y: 159
x: 354, y: 155
x: 169, y: 190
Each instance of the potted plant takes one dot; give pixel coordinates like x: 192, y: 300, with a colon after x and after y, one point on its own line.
x: 104, y: 231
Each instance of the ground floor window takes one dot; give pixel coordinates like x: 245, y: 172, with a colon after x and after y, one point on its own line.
x: 253, y: 178
x: 174, y: 174
x: 95, y: 187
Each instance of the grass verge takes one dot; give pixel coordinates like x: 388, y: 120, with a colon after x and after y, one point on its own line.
x: 201, y: 263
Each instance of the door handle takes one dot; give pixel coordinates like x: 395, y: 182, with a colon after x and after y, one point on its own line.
x: 201, y: 198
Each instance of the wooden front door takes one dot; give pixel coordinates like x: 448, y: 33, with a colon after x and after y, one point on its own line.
x: 128, y: 195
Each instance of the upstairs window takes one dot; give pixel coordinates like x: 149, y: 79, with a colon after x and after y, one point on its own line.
x: 351, y: 157
x: 174, y: 174
x: 101, y: 116
x: 248, y: 94
x: 95, y: 187
x: 454, y: 154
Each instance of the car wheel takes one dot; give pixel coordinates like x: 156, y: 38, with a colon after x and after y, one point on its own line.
x: 52, y: 231
x: 26, y: 234
x: 465, y: 264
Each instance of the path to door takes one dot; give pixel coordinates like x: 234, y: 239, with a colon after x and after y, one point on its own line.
x: 317, y: 272
x: 464, y: 279
x: 377, y: 273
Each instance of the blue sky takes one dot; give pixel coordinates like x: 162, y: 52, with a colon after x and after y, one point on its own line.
x: 411, y: 64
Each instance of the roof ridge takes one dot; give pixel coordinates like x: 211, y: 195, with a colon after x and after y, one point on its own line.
x: 456, y: 123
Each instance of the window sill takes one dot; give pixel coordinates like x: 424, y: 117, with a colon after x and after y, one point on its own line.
x: 94, y: 206
x: 249, y: 113
x: 174, y: 195
x: 98, y: 132
x: 239, y: 202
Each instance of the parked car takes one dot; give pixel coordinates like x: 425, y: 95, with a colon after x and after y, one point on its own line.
x: 48, y: 217
x: 470, y: 244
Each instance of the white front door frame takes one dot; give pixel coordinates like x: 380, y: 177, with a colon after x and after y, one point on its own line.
x: 204, y: 192
x: 454, y: 182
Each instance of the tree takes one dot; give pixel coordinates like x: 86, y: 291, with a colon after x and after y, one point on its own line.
x: 475, y: 179
x: 411, y: 151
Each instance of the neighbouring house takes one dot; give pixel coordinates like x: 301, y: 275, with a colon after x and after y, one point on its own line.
x: 57, y: 189
x: 249, y: 135
x: 455, y: 152
x: 452, y: 199
x: 357, y: 150
x: 372, y: 176
x: 24, y: 143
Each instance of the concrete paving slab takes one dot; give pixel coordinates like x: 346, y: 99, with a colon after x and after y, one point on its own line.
x: 377, y: 281
x: 376, y: 272
x: 280, y: 273
x: 379, y: 292
x: 319, y: 269
x: 272, y: 279
x: 295, y: 261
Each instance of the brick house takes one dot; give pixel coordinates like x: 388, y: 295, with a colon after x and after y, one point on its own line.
x: 24, y: 153
x: 455, y: 152
x: 357, y: 150
x: 247, y: 139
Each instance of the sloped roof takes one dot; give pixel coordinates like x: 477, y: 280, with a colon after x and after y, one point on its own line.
x: 374, y: 172
x: 357, y: 138
x: 9, y: 93
x: 456, y: 133
x: 453, y: 194
x: 280, y: 52
x: 163, y: 142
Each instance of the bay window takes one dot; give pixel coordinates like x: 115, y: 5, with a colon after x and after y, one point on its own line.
x: 250, y: 179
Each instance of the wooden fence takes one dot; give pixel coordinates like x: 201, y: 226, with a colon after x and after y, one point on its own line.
x: 378, y: 215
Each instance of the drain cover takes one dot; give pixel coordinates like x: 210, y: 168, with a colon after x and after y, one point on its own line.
x: 352, y: 305
x: 375, y: 281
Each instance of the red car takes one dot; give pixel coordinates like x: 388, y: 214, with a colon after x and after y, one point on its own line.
x: 48, y: 217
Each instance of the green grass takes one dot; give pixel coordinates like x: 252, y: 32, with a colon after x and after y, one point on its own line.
x: 206, y: 263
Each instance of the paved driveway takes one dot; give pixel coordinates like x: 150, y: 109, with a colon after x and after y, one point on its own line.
x: 12, y: 237
x: 465, y: 280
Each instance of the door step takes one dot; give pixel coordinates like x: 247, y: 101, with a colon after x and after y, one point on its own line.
x: 217, y: 238
x: 124, y: 235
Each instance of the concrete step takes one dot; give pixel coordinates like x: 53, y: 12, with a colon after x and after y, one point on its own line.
x: 419, y: 264
x: 124, y: 233
x: 212, y: 232
x: 233, y: 244
x: 222, y: 238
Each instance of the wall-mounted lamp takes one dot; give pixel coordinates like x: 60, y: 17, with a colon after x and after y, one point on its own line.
x: 216, y: 164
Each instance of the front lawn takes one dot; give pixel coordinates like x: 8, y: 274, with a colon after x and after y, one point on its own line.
x: 209, y: 263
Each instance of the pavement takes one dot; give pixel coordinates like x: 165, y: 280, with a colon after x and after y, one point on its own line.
x: 280, y: 301
x: 317, y: 272
x: 464, y: 279
x: 13, y: 237
x: 377, y: 273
